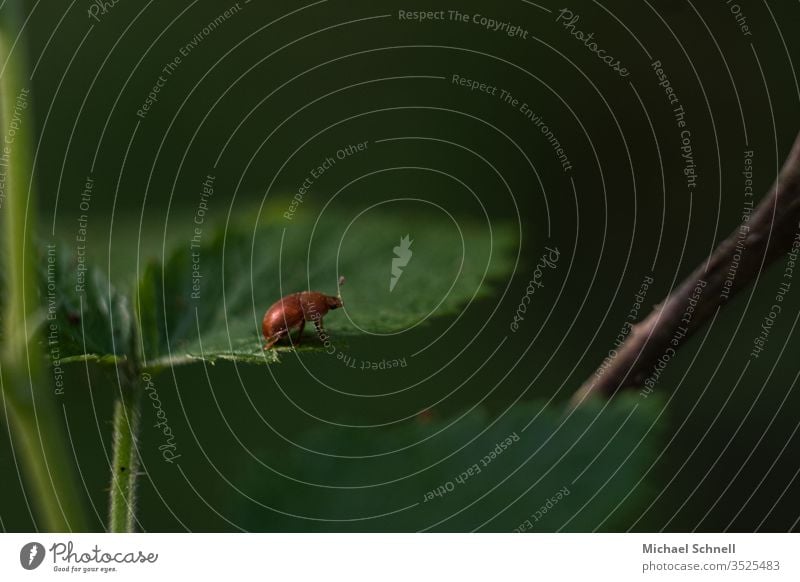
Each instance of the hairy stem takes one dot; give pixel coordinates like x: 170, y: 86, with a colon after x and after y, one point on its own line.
x: 769, y: 234
x: 125, y: 464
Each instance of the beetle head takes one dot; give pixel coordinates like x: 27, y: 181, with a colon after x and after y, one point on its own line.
x: 336, y: 302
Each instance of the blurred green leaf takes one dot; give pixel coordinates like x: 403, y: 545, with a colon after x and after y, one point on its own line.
x: 570, y: 472
x: 82, y: 316
x: 207, y: 301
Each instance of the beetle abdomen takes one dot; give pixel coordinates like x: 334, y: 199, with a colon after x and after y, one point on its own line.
x: 282, y: 315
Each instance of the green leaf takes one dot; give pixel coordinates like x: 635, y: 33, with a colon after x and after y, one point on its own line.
x: 81, y: 316
x: 206, y: 301
x: 571, y: 472
x: 92, y: 319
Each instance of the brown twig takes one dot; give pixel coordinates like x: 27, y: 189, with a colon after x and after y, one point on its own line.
x: 768, y: 234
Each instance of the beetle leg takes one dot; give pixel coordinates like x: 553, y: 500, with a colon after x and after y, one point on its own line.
x: 300, y: 334
x: 273, y: 340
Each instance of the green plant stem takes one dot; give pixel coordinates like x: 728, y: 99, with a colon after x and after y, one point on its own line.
x: 38, y: 439
x: 125, y: 464
x: 33, y: 413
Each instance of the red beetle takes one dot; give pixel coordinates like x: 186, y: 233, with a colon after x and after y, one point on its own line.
x: 294, y: 311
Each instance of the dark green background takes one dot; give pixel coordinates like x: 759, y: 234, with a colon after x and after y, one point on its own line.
x: 618, y: 227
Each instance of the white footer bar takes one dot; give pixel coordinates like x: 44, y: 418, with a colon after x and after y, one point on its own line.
x: 401, y: 557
